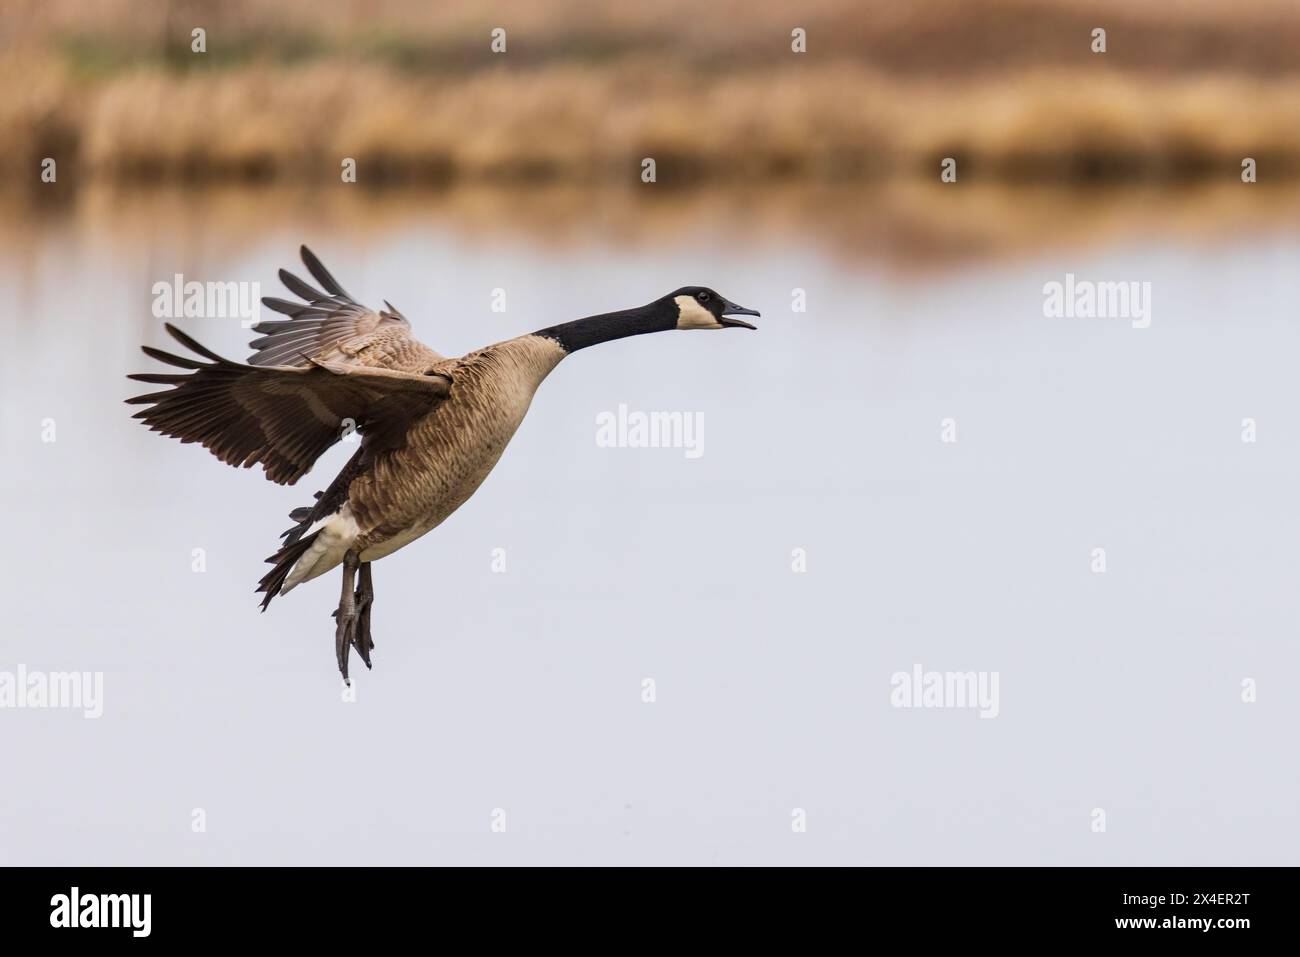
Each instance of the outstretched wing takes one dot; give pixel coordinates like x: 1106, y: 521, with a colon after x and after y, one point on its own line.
x: 331, y: 325
x: 284, y: 417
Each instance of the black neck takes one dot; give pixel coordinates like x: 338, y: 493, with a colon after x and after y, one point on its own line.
x: 572, y: 336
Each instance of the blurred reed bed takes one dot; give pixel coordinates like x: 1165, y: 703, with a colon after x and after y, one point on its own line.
x: 411, y: 91
x: 579, y: 123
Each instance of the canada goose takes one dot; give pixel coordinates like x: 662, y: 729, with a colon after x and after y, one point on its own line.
x: 432, y: 428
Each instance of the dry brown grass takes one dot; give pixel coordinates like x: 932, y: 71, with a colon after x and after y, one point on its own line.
x: 410, y: 91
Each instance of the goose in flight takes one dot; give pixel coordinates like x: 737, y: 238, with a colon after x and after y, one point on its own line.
x: 432, y: 427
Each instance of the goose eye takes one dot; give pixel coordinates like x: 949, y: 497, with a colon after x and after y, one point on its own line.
x: 702, y: 297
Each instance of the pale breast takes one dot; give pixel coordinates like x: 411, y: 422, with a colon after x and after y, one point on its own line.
x: 449, y: 452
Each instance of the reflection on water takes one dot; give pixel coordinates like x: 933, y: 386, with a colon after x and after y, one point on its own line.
x: 521, y: 690
x: 905, y: 224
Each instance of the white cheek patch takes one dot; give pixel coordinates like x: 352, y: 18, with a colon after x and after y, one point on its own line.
x: 691, y: 315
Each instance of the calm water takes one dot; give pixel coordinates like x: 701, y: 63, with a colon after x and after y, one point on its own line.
x: 522, y: 690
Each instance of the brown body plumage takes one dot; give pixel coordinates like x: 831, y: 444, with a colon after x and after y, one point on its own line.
x: 448, y: 454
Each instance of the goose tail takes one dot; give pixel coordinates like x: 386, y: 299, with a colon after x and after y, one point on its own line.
x: 283, y: 561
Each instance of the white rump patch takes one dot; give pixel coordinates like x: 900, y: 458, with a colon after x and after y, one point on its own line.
x: 337, y: 533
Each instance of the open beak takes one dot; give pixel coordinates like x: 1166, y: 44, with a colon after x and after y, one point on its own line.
x: 730, y: 310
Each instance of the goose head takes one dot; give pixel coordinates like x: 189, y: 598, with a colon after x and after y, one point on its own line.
x: 699, y: 307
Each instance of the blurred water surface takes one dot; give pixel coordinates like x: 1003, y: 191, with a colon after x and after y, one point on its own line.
x: 522, y: 690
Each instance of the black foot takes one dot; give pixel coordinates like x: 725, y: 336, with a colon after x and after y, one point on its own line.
x: 343, y: 639
x: 365, y: 598
x: 346, y: 616
x: 360, y: 636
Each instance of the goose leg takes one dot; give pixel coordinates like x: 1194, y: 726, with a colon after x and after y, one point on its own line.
x: 365, y: 597
x: 346, y: 614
